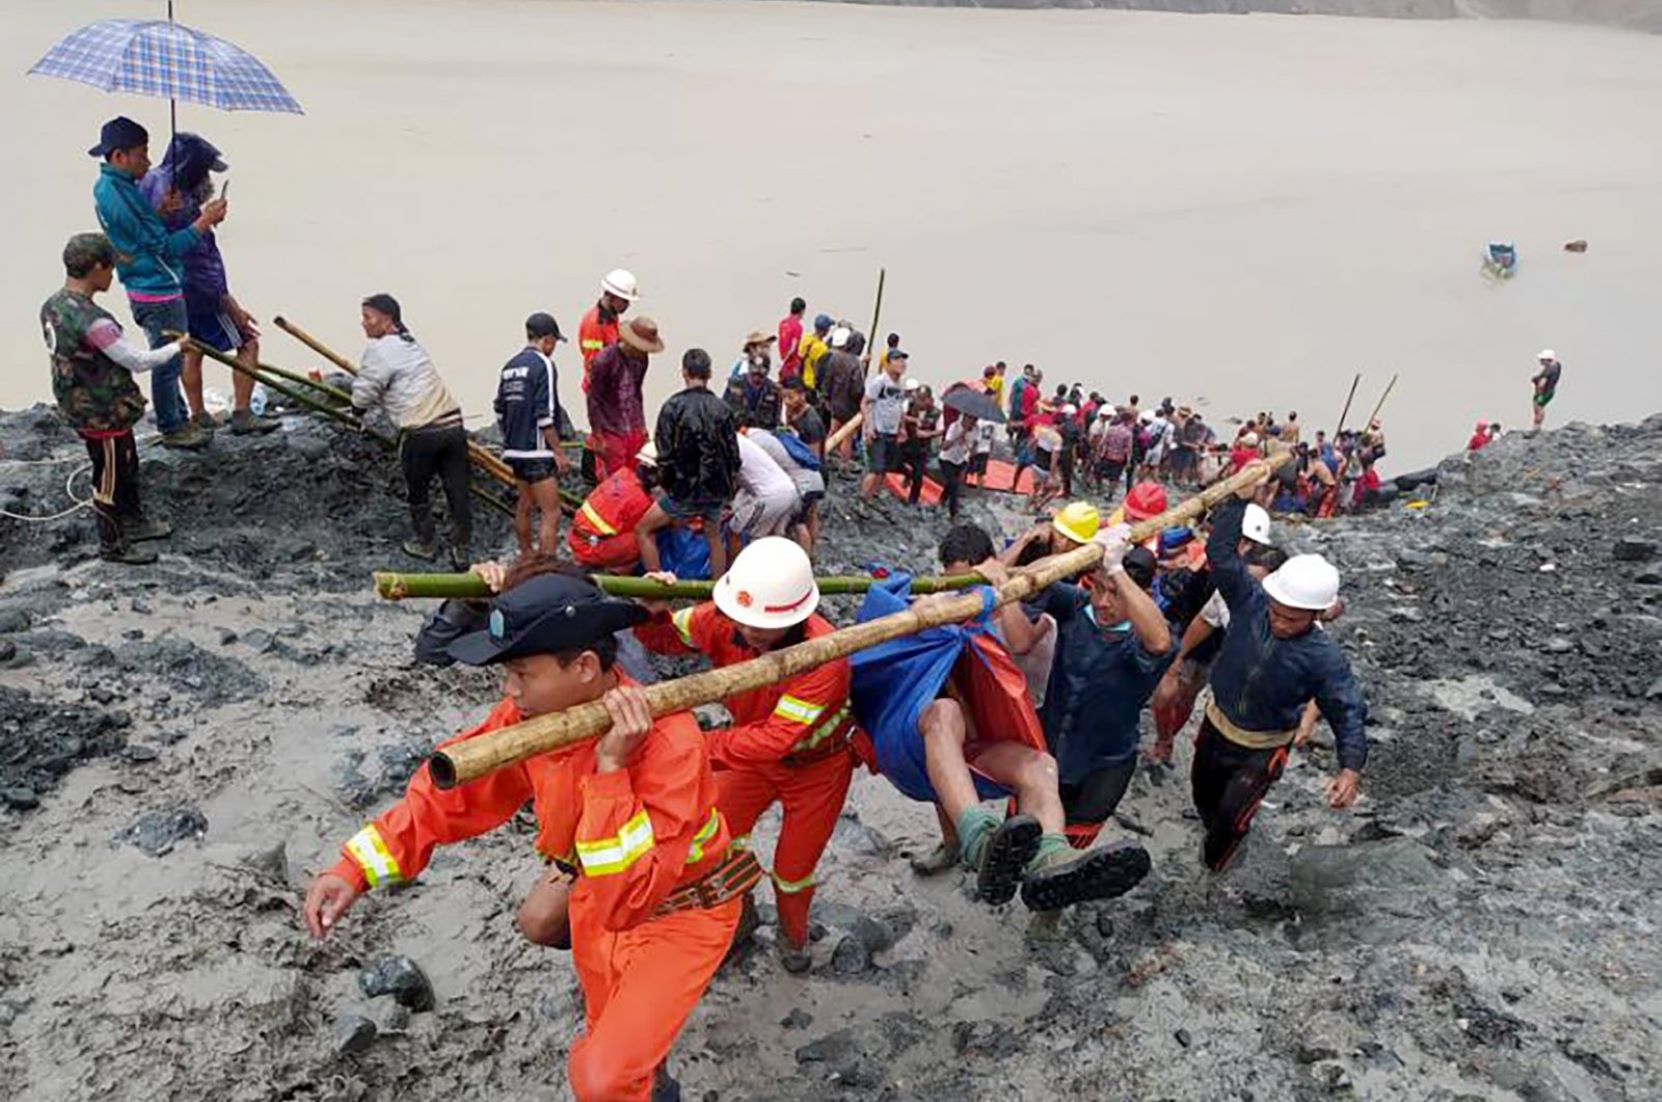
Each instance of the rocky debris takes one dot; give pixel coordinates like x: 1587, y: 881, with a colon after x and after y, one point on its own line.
x: 400, y: 977
x: 157, y: 832
x: 354, y: 1034
x: 393, y: 765
x: 841, y: 1059
x: 40, y: 742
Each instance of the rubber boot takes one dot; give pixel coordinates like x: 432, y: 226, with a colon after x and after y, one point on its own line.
x: 139, y: 529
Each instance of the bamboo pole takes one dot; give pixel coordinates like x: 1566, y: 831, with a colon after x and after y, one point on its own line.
x: 396, y: 586
x: 1348, y: 400
x: 850, y: 427
x: 1372, y: 417
x: 477, y: 756
x: 876, y: 314
x: 482, y: 457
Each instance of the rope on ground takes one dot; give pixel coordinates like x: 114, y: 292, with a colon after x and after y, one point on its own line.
x: 69, y: 492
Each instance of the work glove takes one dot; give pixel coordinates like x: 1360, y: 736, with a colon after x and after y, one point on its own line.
x: 1116, y: 543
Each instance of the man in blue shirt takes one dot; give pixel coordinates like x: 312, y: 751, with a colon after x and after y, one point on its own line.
x: 150, y: 261
x: 1113, y: 645
x: 528, y: 413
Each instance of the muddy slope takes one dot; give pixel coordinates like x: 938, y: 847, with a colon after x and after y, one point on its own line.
x: 182, y: 745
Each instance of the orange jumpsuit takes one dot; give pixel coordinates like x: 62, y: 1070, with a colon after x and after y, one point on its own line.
x: 593, y: 334
x: 635, y: 834
x: 790, y: 742
x: 602, y: 532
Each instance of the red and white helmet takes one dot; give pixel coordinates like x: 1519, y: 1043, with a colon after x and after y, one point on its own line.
x: 770, y: 585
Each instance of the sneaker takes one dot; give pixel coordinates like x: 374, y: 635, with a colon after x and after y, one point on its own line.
x: 187, y: 438
x: 137, y: 531
x: 942, y: 858
x: 205, y: 421
x: 244, y: 422
x: 426, y: 552
x: 128, y: 556
x: 1065, y: 877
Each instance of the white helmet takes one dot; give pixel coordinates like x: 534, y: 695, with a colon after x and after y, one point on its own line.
x: 1546, y: 354
x: 1304, y: 581
x: 770, y: 585
x: 621, y: 282
x: 1250, y: 440
x: 1255, y: 525
x: 839, y: 336
x: 910, y: 385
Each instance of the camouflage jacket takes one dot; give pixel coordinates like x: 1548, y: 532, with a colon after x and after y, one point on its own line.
x: 94, y: 392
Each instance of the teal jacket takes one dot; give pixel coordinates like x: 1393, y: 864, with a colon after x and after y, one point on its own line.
x: 149, y: 259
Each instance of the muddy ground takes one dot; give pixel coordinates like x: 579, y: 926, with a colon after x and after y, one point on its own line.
x: 182, y: 745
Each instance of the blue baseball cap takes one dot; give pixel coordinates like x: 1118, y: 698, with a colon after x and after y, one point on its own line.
x: 547, y: 614
x: 822, y: 321
x: 119, y: 133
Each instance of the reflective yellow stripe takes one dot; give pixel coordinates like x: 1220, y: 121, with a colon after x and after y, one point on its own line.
x: 791, y: 887
x: 696, y: 853
x: 795, y: 708
x: 593, y: 345
x: 370, y: 851
x: 608, y: 855
x: 683, y: 624
x: 597, y: 520
x: 824, y: 730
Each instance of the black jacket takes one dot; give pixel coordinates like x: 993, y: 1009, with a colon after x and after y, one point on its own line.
x: 755, y: 406
x: 698, y: 447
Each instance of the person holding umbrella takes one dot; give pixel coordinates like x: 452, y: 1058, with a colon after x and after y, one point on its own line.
x: 150, y: 262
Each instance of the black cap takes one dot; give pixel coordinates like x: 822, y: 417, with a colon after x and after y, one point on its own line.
x: 899, y: 354
x: 547, y: 614
x: 541, y: 325
x: 1140, y: 565
x: 120, y: 132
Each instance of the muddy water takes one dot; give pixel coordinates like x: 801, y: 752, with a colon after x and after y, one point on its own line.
x: 1241, y: 209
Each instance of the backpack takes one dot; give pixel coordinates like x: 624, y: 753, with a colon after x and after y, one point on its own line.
x: 801, y: 453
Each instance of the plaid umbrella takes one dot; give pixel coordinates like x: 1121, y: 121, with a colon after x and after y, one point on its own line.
x: 161, y: 58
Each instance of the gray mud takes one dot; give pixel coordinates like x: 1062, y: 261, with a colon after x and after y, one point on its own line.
x: 182, y: 745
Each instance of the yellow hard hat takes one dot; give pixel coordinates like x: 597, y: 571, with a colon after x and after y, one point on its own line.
x: 1078, y: 521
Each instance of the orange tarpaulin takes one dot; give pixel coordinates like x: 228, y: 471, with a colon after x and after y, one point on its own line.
x: 1001, y: 474
x: 901, y: 486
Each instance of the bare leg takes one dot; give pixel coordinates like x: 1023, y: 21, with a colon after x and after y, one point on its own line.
x: 242, y: 386
x: 543, y: 917
x: 546, y: 496
x: 190, y: 375
x: 1028, y: 773
x: 718, y: 553
x: 944, y: 735
x: 522, y: 518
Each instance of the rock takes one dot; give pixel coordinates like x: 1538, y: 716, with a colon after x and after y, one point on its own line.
x: 1654, y: 691
x: 227, y: 637
x: 1393, y: 875
x: 139, y: 754
x: 396, y: 1019
x: 259, y: 641
x: 989, y: 1039
x: 1183, y: 1038
x: 140, y: 606
x: 13, y: 620
x: 1313, y: 1051
x: 271, y: 862
x: 20, y: 796
x: 852, y: 957
x: 8, y: 650
x: 1633, y: 549
x: 843, y: 1059
x: 1558, y: 645
x: 400, y: 977
x: 354, y: 1034
x: 157, y: 832
x: 798, y: 1018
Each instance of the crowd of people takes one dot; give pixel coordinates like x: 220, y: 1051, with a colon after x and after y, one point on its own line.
x: 649, y: 877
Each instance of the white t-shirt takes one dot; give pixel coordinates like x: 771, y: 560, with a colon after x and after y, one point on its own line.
x: 986, y: 435
x: 888, y: 403
x: 955, y: 446
x: 1216, y: 611
x: 759, y: 475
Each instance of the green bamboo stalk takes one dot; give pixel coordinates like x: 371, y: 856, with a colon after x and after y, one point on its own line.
x: 396, y: 586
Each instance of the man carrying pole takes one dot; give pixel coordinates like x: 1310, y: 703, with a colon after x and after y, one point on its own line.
x: 790, y: 741
x: 654, y: 891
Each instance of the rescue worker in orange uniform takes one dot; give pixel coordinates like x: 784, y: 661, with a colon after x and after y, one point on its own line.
x: 657, y: 888
x: 602, y: 535
x: 791, y: 742
x: 599, y: 327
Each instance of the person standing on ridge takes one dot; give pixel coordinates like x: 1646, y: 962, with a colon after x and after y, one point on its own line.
x: 398, y: 376
x: 617, y: 409
x: 655, y: 887
x: 1545, y: 382
x: 528, y: 415
x: 697, y: 449
x: 599, y: 326
x: 92, y: 380
x: 883, y: 409
x: 813, y: 348
x: 150, y: 262
x: 790, y: 341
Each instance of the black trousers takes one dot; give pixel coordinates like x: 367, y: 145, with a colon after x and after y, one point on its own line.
x: 426, y: 452
x: 1089, y: 804
x: 115, y: 486
x: 952, y: 483
x: 1228, y: 783
x: 917, y: 461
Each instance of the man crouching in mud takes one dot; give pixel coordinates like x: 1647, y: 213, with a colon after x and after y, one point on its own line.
x: 1273, y: 661
x: 655, y: 889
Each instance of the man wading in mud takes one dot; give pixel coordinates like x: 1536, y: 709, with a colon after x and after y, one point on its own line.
x: 647, y: 889
x: 1272, y: 662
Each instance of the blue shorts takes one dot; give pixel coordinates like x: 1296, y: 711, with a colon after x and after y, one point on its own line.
x: 215, y: 330
x: 531, y: 470
x: 687, y: 510
x: 883, y: 454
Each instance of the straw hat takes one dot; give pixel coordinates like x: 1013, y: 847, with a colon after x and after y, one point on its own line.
x: 641, y: 334
x: 755, y: 337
